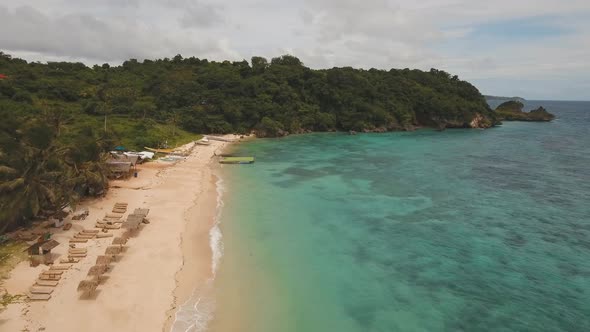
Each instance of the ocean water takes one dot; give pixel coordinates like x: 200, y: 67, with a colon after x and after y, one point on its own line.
x: 461, y: 230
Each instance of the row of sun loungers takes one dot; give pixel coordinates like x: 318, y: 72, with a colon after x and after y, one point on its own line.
x: 112, y: 252
x: 48, y: 279
x: 41, y: 290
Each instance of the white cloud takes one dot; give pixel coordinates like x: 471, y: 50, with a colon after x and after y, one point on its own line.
x: 323, y: 33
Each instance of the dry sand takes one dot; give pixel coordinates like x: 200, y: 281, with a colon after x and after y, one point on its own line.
x: 140, y: 293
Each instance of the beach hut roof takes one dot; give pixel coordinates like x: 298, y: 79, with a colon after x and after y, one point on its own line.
x: 45, y: 246
x: 87, y: 285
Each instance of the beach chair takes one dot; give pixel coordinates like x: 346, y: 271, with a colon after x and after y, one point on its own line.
x: 38, y: 297
x: 49, y: 277
x: 46, y: 283
x: 40, y: 290
x: 69, y: 260
x: 60, y: 267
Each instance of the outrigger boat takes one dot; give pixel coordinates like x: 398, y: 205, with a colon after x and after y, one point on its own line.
x: 236, y: 160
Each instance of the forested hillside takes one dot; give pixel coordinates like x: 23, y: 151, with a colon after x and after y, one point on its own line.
x: 58, y: 118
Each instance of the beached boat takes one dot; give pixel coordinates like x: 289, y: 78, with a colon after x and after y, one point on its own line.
x: 236, y: 160
x: 204, y: 141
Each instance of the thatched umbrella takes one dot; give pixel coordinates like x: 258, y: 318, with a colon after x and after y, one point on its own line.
x: 103, y: 260
x: 87, y: 286
x: 120, y: 241
x: 113, y: 250
x: 97, y: 270
x: 142, y: 212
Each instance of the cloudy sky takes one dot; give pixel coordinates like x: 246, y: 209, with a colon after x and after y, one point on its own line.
x: 538, y: 49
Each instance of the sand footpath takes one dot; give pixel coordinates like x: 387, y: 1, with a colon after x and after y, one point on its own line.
x: 140, y: 293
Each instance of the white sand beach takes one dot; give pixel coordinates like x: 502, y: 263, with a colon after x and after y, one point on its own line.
x: 139, y: 291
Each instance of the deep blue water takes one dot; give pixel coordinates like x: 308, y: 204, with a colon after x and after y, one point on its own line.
x: 461, y: 230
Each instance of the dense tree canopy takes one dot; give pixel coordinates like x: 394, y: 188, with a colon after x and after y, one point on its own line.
x: 59, y: 117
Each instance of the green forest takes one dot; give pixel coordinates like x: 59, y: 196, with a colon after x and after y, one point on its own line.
x: 59, y: 118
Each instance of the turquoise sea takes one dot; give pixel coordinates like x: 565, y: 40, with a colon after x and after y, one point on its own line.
x: 461, y: 230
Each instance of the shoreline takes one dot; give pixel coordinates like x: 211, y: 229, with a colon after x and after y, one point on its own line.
x: 197, y: 269
x: 144, y: 288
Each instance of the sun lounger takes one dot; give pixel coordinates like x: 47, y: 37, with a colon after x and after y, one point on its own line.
x: 53, y: 272
x: 90, y: 231
x: 40, y: 290
x: 114, y: 226
x: 119, y: 210
x: 49, y: 277
x: 104, y: 235
x: 69, y: 260
x: 78, y: 240
x: 109, y: 221
x: 77, y: 255
x: 46, y: 283
x: 114, y: 215
x: 84, y: 236
x: 78, y: 250
x: 60, y: 267
x: 39, y: 297
x: 121, y: 203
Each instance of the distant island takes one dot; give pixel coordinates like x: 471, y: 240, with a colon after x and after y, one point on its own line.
x: 488, y: 97
x: 513, y: 111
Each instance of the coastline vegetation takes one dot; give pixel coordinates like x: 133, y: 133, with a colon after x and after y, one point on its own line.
x: 60, y: 117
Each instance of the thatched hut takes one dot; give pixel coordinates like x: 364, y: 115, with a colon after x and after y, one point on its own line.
x: 40, y: 252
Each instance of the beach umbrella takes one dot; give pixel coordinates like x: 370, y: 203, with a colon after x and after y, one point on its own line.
x: 87, y: 286
x: 119, y: 241
x: 113, y: 250
x: 103, y: 260
x: 97, y: 270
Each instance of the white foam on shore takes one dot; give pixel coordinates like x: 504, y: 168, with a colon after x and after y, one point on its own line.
x: 194, y: 315
x: 215, y: 235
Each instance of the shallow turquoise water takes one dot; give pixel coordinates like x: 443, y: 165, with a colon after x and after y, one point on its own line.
x: 462, y: 230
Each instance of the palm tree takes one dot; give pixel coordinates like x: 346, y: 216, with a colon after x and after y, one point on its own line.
x: 33, y: 180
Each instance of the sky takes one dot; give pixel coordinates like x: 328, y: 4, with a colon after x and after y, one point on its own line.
x: 536, y: 49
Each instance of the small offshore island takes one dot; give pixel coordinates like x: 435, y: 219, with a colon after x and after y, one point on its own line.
x: 512, y: 110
